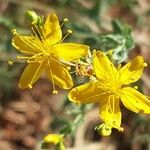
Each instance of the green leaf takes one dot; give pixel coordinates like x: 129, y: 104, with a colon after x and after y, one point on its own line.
x: 120, y: 41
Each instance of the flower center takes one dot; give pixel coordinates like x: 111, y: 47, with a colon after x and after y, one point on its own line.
x: 112, y: 87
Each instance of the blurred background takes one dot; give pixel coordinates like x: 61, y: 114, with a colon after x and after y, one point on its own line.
x: 28, y: 115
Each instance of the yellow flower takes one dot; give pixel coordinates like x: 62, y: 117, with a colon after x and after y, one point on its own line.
x: 111, y: 86
x: 53, y: 138
x: 44, y: 51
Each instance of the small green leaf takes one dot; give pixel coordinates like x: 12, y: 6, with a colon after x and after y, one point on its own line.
x: 120, y: 41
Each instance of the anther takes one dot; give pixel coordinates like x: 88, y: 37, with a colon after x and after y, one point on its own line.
x: 10, y: 62
x: 33, y: 22
x: 145, y: 64
x: 135, y: 87
x: 68, y: 68
x: 121, y: 129
x: 94, y: 51
x: 14, y: 31
x: 28, y: 61
x: 69, y: 31
x: 65, y: 20
x: 18, y: 56
x: 110, y: 52
x: 29, y: 86
x: 55, y: 92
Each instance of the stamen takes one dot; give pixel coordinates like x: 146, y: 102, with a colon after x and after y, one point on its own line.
x: 28, y: 43
x: 121, y: 129
x: 68, y: 67
x: 10, y: 62
x: 22, y: 57
x: 34, y: 32
x: 14, y: 32
x: 65, y: 20
x: 110, y: 52
x: 67, y: 63
x: 135, y: 87
x: 55, y: 92
x: 145, y: 64
x: 69, y: 32
x: 94, y: 51
x: 92, y: 78
x: 40, y: 36
x: 51, y: 74
x: 119, y: 66
x: 147, y: 96
x: 72, y: 72
x: 35, y: 58
x: 29, y: 86
x: 28, y: 61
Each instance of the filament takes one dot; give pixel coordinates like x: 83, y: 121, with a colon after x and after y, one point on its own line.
x: 40, y: 36
x: 68, y: 32
x: 51, y: 74
x: 30, y: 85
x: 64, y: 21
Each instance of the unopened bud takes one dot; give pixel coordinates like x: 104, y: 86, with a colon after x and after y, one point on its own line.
x: 104, y: 129
x: 34, y: 18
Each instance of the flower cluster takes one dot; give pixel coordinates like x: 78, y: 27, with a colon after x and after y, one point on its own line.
x: 44, y: 51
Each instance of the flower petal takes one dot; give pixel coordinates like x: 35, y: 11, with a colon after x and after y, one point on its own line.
x: 31, y: 74
x: 132, y: 71
x: 61, y: 76
x: 135, y: 101
x: 52, y: 30
x: 103, y: 67
x: 86, y: 93
x: 110, y: 111
x: 27, y: 44
x: 70, y: 51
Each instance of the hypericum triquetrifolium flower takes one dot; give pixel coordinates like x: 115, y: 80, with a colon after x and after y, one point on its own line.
x: 110, y: 86
x: 44, y: 51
